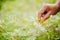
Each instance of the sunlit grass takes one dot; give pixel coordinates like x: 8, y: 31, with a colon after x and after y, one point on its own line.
x: 18, y: 21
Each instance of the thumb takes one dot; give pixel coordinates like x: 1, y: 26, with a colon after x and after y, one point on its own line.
x: 46, y: 16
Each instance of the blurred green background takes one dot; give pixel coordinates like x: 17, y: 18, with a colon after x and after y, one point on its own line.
x: 18, y: 21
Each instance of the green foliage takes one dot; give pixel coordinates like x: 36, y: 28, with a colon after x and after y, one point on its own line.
x: 51, y: 1
x: 18, y: 21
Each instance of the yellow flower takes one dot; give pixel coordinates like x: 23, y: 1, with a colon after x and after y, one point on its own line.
x: 40, y: 21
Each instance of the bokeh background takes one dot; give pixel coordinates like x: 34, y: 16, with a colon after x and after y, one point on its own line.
x: 18, y: 21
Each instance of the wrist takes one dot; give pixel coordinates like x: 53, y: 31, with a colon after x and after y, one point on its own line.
x: 58, y: 4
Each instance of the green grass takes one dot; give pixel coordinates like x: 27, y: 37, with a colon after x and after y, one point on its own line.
x: 18, y: 21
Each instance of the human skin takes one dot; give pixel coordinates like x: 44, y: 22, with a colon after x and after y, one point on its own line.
x: 47, y: 10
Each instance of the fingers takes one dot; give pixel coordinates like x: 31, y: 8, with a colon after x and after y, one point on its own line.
x: 41, y: 12
x: 46, y: 16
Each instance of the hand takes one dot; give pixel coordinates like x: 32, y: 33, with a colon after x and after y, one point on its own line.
x: 46, y: 11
